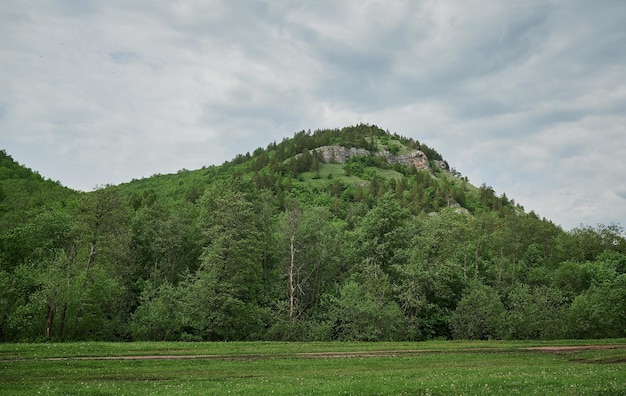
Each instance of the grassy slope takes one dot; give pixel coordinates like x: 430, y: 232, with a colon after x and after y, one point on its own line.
x: 287, y: 368
x: 335, y: 172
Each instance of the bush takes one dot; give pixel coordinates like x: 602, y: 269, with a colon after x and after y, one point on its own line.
x: 479, y: 315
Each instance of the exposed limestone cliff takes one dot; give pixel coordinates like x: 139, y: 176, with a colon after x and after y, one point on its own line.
x: 340, y: 154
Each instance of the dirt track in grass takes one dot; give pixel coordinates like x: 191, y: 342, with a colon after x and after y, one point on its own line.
x: 574, y: 348
x: 569, y: 349
x: 580, y: 348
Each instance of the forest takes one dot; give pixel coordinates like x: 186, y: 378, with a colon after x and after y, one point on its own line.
x: 281, y: 244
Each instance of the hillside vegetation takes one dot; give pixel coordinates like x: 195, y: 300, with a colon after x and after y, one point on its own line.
x: 285, y: 244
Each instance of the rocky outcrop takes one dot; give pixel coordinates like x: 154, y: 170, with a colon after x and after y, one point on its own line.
x: 340, y: 154
x: 443, y: 165
x: 414, y: 158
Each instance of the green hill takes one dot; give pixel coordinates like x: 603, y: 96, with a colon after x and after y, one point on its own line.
x: 23, y: 190
x: 297, y: 165
x: 342, y: 234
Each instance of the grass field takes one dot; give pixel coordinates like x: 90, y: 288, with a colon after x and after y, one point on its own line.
x: 435, y: 368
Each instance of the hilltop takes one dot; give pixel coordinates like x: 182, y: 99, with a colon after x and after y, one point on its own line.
x: 350, y: 160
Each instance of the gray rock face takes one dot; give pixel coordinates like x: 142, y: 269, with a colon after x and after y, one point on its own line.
x: 442, y: 165
x: 339, y: 154
x: 414, y: 158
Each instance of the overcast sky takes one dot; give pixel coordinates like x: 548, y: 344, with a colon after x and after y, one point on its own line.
x: 527, y: 96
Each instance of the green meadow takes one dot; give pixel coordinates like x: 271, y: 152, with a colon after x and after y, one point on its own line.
x: 428, y: 368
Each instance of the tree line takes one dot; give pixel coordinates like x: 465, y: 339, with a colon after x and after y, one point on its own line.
x: 250, y: 252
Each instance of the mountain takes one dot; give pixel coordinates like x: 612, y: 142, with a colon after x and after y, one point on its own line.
x: 339, y: 234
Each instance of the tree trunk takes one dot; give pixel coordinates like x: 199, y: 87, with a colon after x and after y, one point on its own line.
x: 62, y: 324
x: 292, y: 289
x: 61, y: 328
x: 294, y: 214
x: 90, y: 260
x: 49, y: 320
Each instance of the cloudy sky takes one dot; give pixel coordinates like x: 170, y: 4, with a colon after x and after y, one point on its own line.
x: 527, y: 96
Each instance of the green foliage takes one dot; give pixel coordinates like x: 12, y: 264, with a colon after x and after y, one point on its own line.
x: 221, y: 297
x: 215, y: 310
x: 279, y: 245
x: 381, y: 235
x: 317, y: 248
x: 429, y: 282
x: 354, y: 168
x: 365, y: 310
x: 165, y: 242
x: 159, y: 314
x: 534, y: 313
x: 479, y: 315
x: 394, y: 149
x: 599, y: 312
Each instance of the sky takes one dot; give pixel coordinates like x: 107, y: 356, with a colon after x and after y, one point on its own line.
x: 525, y: 96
